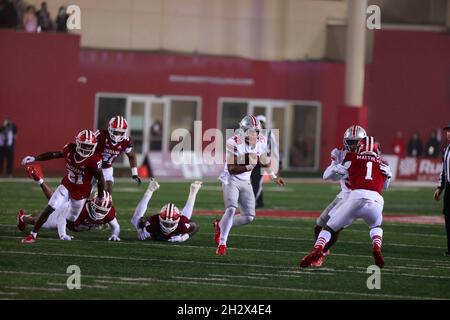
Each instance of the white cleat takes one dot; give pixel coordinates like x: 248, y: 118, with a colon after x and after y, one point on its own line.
x: 153, y: 185
x: 195, y: 186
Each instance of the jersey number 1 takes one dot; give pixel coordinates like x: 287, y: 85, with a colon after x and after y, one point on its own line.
x: 369, y: 166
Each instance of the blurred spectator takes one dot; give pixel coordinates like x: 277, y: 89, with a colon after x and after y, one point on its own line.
x: 415, y: 147
x: 30, y: 22
x: 61, y: 20
x: 433, y: 148
x: 7, y: 138
x: 299, y: 152
x: 8, y: 15
x: 399, y: 145
x: 44, y: 20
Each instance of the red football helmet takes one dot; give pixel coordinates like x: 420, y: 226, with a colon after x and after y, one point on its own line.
x: 100, y: 207
x: 169, y: 217
x: 117, y: 128
x: 368, y: 145
x: 86, y: 143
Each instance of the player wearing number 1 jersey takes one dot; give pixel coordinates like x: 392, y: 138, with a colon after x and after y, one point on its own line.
x: 111, y: 144
x: 368, y: 175
x: 82, y: 164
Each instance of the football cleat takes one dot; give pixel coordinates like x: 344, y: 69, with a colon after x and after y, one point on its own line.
x: 378, y: 256
x: 217, y: 229
x: 314, y: 255
x: 21, y: 225
x: 319, y: 262
x: 29, y: 239
x: 34, y: 172
x: 221, y: 250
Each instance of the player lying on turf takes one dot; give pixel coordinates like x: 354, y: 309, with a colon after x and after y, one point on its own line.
x: 243, y: 151
x: 82, y: 164
x: 111, y: 144
x: 368, y: 176
x: 352, y: 136
x: 96, y: 214
x: 169, y: 224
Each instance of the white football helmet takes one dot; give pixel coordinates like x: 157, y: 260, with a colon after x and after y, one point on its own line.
x: 249, y: 128
x: 117, y: 128
x: 169, y: 217
x: 100, y: 207
x: 86, y: 143
x: 352, y: 136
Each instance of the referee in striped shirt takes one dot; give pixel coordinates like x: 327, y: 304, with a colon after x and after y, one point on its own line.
x: 444, y: 183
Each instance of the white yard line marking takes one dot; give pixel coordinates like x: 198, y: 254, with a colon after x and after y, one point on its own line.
x: 8, y: 293
x: 82, y: 285
x: 34, y: 288
x: 145, y: 282
x: 238, y: 249
x: 199, y: 278
x: 237, y: 277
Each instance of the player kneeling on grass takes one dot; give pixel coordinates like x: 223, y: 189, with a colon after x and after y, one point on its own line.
x: 368, y: 175
x: 96, y: 214
x: 244, y: 150
x: 168, y: 225
x: 352, y: 136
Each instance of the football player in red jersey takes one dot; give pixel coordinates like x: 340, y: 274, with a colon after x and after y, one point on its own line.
x: 168, y: 225
x: 352, y: 136
x: 82, y: 164
x: 96, y: 213
x: 368, y: 175
x: 111, y: 144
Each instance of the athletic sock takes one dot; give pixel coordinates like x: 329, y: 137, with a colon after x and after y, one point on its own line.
x: 322, y: 239
x: 225, y: 224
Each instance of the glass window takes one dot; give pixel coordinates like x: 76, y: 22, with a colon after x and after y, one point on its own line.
x: 136, y: 123
x: 109, y: 107
x: 156, y: 126
x: 278, y: 123
x: 232, y: 113
x: 182, y: 115
x: 304, y: 138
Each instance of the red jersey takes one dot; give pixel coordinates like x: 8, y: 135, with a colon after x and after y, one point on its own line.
x: 80, y: 172
x: 108, y: 149
x: 84, y: 221
x: 153, y: 227
x: 364, y: 172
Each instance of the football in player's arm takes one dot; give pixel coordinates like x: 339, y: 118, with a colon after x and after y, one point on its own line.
x: 82, y: 164
x: 169, y: 224
x: 96, y: 214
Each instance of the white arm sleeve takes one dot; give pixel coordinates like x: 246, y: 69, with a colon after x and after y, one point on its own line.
x: 115, y: 227
x: 330, y: 173
x: 141, y: 208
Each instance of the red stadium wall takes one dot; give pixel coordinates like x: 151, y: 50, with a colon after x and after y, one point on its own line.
x: 407, y: 85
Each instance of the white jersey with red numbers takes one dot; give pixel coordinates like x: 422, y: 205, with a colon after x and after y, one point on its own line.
x: 239, y: 148
x: 110, y: 150
x: 80, y: 172
x: 84, y: 221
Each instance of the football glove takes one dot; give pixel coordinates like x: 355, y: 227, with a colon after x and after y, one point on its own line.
x: 341, y: 170
x: 179, y: 238
x: 386, y: 170
x: 143, y: 234
x: 28, y: 159
x: 153, y: 185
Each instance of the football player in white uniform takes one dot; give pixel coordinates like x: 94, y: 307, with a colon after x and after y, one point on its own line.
x: 352, y: 136
x: 243, y: 151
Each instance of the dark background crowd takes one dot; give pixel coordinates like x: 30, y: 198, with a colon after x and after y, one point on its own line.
x: 17, y: 14
x: 416, y: 148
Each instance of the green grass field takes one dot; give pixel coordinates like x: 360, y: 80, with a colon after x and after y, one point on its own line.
x: 262, y: 260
